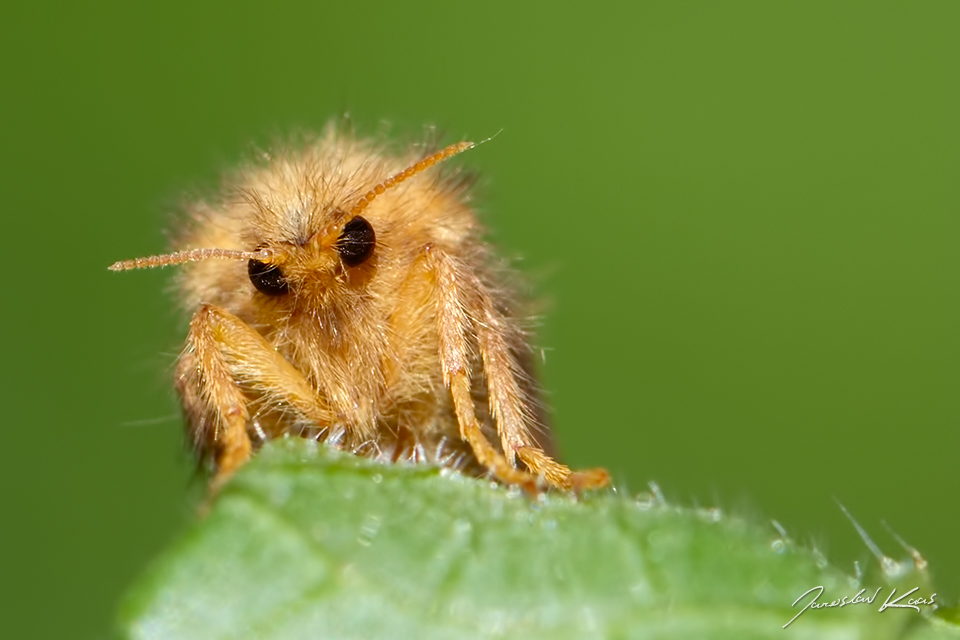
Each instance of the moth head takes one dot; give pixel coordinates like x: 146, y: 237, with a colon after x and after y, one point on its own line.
x: 337, y: 252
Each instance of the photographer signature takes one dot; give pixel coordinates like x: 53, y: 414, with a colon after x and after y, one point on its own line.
x: 912, y: 603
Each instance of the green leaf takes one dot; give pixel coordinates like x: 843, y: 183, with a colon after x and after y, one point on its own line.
x: 308, y: 542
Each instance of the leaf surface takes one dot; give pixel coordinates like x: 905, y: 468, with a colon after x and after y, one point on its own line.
x: 308, y: 542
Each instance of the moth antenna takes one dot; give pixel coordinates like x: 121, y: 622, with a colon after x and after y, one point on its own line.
x: 486, y: 140
x: 410, y: 171
x: 192, y: 255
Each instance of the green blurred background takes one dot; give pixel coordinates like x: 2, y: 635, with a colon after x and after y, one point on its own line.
x: 744, y: 217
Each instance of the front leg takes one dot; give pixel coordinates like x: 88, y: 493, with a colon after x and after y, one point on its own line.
x: 465, y: 305
x: 225, y: 362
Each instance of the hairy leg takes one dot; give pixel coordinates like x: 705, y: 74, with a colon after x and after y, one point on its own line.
x: 225, y: 358
x: 464, y: 305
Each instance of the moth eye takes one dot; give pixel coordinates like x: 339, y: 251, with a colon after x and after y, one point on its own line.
x: 356, y: 241
x: 267, y: 278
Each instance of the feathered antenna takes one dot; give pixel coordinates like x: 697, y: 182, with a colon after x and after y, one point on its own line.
x: 409, y: 172
x: 192, y: 255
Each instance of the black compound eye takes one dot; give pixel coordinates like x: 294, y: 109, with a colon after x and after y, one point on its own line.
x: 356, y: 241
x: 267, y: 278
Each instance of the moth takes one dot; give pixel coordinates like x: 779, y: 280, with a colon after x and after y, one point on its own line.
x: 345, y: 293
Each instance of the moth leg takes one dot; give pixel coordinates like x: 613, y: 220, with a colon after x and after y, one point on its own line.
x: 225, y: 358
x: 560, y: 475
x: 509, y: 404
x: 453, y: 324
x: 465, y: 303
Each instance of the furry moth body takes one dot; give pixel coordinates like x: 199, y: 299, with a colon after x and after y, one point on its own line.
x: 344, y: 294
